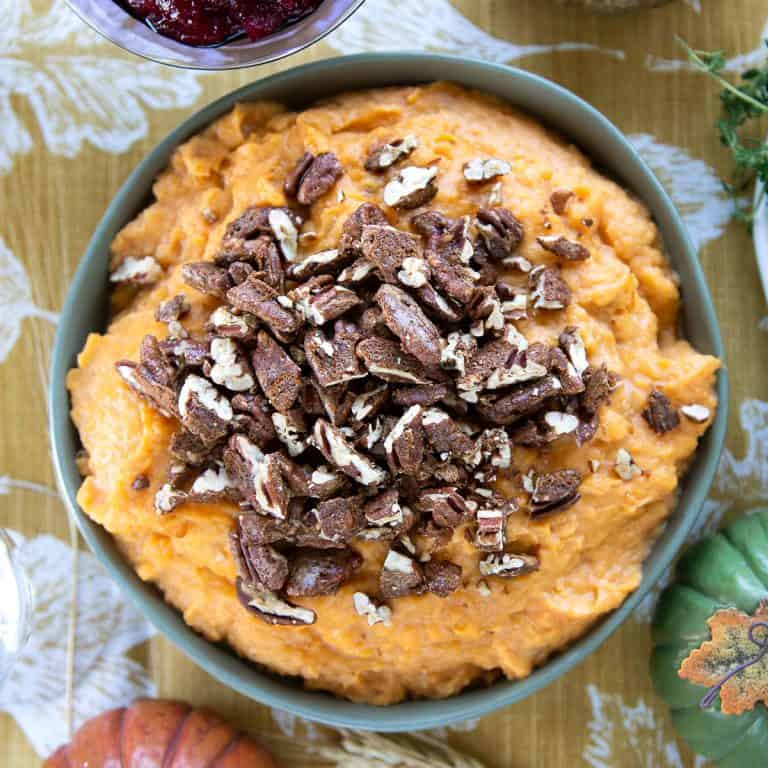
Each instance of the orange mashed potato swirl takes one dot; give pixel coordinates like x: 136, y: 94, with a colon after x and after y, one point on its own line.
x: 625, y: 304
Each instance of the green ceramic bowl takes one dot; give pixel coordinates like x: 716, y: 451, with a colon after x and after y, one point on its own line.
x: 85, y: 310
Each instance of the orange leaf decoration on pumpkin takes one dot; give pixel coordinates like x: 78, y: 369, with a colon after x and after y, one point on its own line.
x: 734, y: 662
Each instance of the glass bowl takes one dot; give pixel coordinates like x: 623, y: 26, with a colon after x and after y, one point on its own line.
x: 119, y: 27
x: 15, y: 606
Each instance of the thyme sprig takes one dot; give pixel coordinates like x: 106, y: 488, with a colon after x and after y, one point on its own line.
x: 743, y: 103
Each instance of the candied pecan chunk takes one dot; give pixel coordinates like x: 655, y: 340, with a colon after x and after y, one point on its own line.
x: 661, y: 416
x: 523, y: 401
x: 154, y: 378
x: 279, y: 377
x: 599, y: 383
x: 500, y: 232
x: 424, y: 395
x: 270, y: 607
x: 442, y: 577
x: 400, y: 576
x: 566, y: 249
x: 325, y: 483
x: 138, y: 272
x: 387, y: 248
x: 548, y: 290
x: 341, y: 518
x: 405, y: 318
x: 411, y: 188
x: 445, y: 435
x: 385, y: 359
x: 266, y: 566
x: 261, y: 300
x: 559, y: 200
x: 334, y: 360
x: 367, y: 214
x: 555, y: 491
x: 207, y: 278
x: 404, y: 445
x: 446, y: 505
x: 204, y: 411
x: 384, y: 156
x: 507, y: 565
x: 173, y: 309
x: 317, y: 572
x: 313, y: 177
x: 330, y: 441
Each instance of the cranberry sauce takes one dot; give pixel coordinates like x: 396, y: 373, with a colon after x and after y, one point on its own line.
x: 212, y: 22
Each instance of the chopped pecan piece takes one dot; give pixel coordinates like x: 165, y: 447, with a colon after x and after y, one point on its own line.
x: 457, y: 351
x: 569, y: 250
x: 224, y: 322
x: 207, y: 278
x: 364, y: 606
x: 501, y: 363
x: 454, y: 279
x: 555, y: 491
x: 493, y: 447
x: 279, y: 377
x: 154, y: 378
x: 265, y: 566
x: 424, y: 395
x: 263, y: 301
x: 385, y: 156
x: 660, y: 414
x: 270, y: 607
x: 351, y: 233
x: 171, y: 311
x: 446, y: 505
x: 404, y: 445
x: 384, y: 509
x: 317, y: 263
x: 203, y: 410
x: 188, y: 448
x: 387, y: 360
x: 559, y: 364
x: 168, y: 498
x: 405, y: 318
x: 400, y: 576
x: 412, y: 187
x: 600, y: 382
x: 573, y: 345
x: 325, y: 483
x: 334, y: 360
x: 387, y: 248
x: 414, y: 272
x: 445, y: 435
x: 336, y: 401
x: 508, y: 565
x: 187, y: 353
x: 523, y: 401
x: 258, y: 477
x: 340, y: 519
x: 143, y: 271
x: 367, y: 404
x: 500, y: 232
x: 560, y: 199
x: 548, y: 289
x: 446, y: 310
x: 316, y: 572
x: 482, y: 169
x: 319, y: 300
x: 291, y: 431
x: 441, y: 577
x: 259, y: 427
x: 140, y: 483
x: 696, y: 412
x: 313, y: 177
x: 356, y: 272
x: 330, y: 441
x: 230, y: 367
x: 625, y: 466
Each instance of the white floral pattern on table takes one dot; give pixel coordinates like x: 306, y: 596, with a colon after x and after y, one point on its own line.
x: 107, y: 627
x: 91, y: 96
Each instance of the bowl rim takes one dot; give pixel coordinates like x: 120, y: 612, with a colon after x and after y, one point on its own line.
x: 245, y: 677
x: 285, y: 35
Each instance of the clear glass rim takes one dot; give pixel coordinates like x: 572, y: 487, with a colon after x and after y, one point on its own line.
x: 113, y: 23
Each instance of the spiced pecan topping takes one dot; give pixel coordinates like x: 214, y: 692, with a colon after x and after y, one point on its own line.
x: 555, y: 491
x: 482, y: 169
x: 445, y: 436
x: 137, y: 271
x: 317, y: 572
x: 256, y: 410
x: 548, y: 290
x: 261, y: 300
x: 500, y: 232
x: 424, y: 395
x: 325, y: 483
x: 404, y: 445
x: 508, y: 565
x: 330, y: 441
x: 386, y: 360
x: 446, y: 505
x: 566, y: 249
x: 279, y: 377
x: 385, y: 156
x: 438, y: 306
x: 317, y: 263
x: 559, y: 200
x: 313, y: 177
x: 352, y: 232
x: 266, y: 566
x: 319, y: 300
x: 356, y: 272
x: 400, y: 576
x: 524, y: 400
x: 384, y: 509
x: 387, y: 248
x: 224, y: 322
x: 340, y: 518
x: 207, y: 278
x: 442, y: 577
x: 411, y: 188
x: 660, y: 414
x: 171, y: 311
x: 599, y: 383
x: 270, y: 607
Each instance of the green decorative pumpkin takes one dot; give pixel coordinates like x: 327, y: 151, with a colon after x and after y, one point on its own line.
x: 729, y: 569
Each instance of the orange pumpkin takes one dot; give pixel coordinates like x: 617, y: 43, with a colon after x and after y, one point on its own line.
x: 160, y: 734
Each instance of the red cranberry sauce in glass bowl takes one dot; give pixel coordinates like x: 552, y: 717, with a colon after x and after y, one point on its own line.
x: 213, y: 22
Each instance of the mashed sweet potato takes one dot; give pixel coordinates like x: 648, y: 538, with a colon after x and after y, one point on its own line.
x: 625, y: 303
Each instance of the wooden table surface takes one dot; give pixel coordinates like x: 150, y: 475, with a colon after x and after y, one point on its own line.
x: 77, y: 114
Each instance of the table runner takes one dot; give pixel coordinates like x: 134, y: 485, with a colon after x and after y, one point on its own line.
x: 77, y: 114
